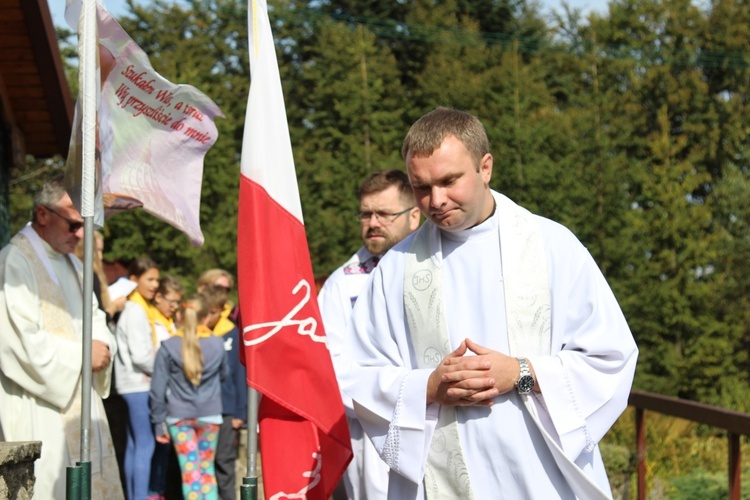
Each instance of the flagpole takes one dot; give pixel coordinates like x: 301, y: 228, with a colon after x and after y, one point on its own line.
x: 249, y: 488
x: 79, y: 479
x: 275, y: 276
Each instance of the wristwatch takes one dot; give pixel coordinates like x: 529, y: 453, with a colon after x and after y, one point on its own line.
x: 525, y: 382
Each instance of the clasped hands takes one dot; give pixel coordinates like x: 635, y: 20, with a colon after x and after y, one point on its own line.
x: 461, y: 380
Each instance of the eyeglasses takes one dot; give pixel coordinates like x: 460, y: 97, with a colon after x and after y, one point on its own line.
x: 73, y: 225
x: 172, y: 302
x: 382, y: 217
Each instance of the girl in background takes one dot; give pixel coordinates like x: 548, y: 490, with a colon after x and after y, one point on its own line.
x: 234, y: 387
x: 133, y: 366
x: 186, y: 396
x: 166, y: 302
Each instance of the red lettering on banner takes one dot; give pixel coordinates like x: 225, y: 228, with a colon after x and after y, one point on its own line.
x: 122, y: 92
x: 189, y: 110
x: 201, y: 137
x: 178, y: 125
x: 164, y: 96
x: 138, y: 79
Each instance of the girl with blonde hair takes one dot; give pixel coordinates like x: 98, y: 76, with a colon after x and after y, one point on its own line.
x: 185, y: 395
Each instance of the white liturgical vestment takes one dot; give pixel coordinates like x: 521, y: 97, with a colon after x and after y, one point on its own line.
x: 585, y: 381
x: 366, y: 478
x: 40, y: 366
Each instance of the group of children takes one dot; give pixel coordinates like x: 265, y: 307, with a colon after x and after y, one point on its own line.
x: 178, y: 371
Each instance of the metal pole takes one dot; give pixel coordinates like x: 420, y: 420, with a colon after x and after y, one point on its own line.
x: 249, y: 488
x: 85, y: 480
x: 89, y: 50
x: 640, y: 439
x: 73, y: 483
x: 735, y: 466
x: 86, y: 373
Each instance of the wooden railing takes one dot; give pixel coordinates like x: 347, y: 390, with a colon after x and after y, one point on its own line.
x: 735, y: 423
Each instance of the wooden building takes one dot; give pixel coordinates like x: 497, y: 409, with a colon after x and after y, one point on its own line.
x: 36, y: 107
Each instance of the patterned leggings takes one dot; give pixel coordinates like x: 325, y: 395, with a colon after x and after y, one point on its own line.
x: 195, y: 443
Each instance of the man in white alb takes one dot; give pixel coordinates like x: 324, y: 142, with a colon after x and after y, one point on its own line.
x: 488, y: 354
x: 41, y: 309
x: 387, y: 214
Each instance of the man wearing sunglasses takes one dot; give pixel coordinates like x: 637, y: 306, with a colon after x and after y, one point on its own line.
x: 41, y: 317
x: 387, y: 214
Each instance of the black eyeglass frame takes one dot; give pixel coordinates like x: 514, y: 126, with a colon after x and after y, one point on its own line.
x: 382, y: 217
x: 73, y: 225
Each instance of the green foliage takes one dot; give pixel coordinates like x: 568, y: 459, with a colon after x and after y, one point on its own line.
x: 351, y: 125
x: 699, y: 484
x: 682, y: 459
x: 620, y: 463
x: 24, y: 183
x: 629, y: 127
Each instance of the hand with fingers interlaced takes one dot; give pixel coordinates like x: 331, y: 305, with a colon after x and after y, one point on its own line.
x: 461, y: 380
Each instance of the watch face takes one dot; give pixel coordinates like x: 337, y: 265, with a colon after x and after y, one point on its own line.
x: 525, y: 384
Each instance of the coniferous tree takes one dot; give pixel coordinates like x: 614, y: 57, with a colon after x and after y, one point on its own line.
x: 628, y: 127
x: 350, y: 125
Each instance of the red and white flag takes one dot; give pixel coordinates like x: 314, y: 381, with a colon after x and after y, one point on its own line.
x: 304, y: 438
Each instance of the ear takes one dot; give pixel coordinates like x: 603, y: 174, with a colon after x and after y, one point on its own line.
x: 485, y: 168
x: 133, y: 277
x: 41, y: 216
x: 414, y: 218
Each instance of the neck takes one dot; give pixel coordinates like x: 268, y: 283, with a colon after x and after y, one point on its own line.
x: 39, y: 230
x: 492, y: 212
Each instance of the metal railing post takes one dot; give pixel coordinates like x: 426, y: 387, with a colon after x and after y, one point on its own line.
x: 734, y: 465
x: 640, y: 439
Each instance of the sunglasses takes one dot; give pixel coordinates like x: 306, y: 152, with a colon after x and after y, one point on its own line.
x: 73, y: 225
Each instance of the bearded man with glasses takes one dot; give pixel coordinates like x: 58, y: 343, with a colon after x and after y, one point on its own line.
x: 387, y: 214
x: 41, y: 319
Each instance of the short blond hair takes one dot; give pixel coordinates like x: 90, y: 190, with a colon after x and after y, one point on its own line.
x: 209, y: 278
x: 429, y: 132
x: 214, y: 296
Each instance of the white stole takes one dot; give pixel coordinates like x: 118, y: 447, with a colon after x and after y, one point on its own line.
x: 528, y: 312
x: 446, y: 473
x: 57, y: 321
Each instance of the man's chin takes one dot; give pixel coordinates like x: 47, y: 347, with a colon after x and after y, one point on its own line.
x: 376, y: 247
x: 446, y: 224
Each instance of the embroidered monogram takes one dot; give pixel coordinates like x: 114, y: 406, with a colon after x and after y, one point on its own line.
x: 526, y: 286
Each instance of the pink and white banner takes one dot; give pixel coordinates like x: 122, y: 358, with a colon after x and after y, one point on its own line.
x: 152, y: 134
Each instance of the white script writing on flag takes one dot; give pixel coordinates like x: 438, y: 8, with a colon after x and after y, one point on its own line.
x: 314, y: 474
x: 307, y: 326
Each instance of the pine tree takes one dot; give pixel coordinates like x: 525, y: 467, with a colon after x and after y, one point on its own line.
x: 348, y: 125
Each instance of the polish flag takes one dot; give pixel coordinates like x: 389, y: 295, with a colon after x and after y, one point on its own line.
x: 304, y: 438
